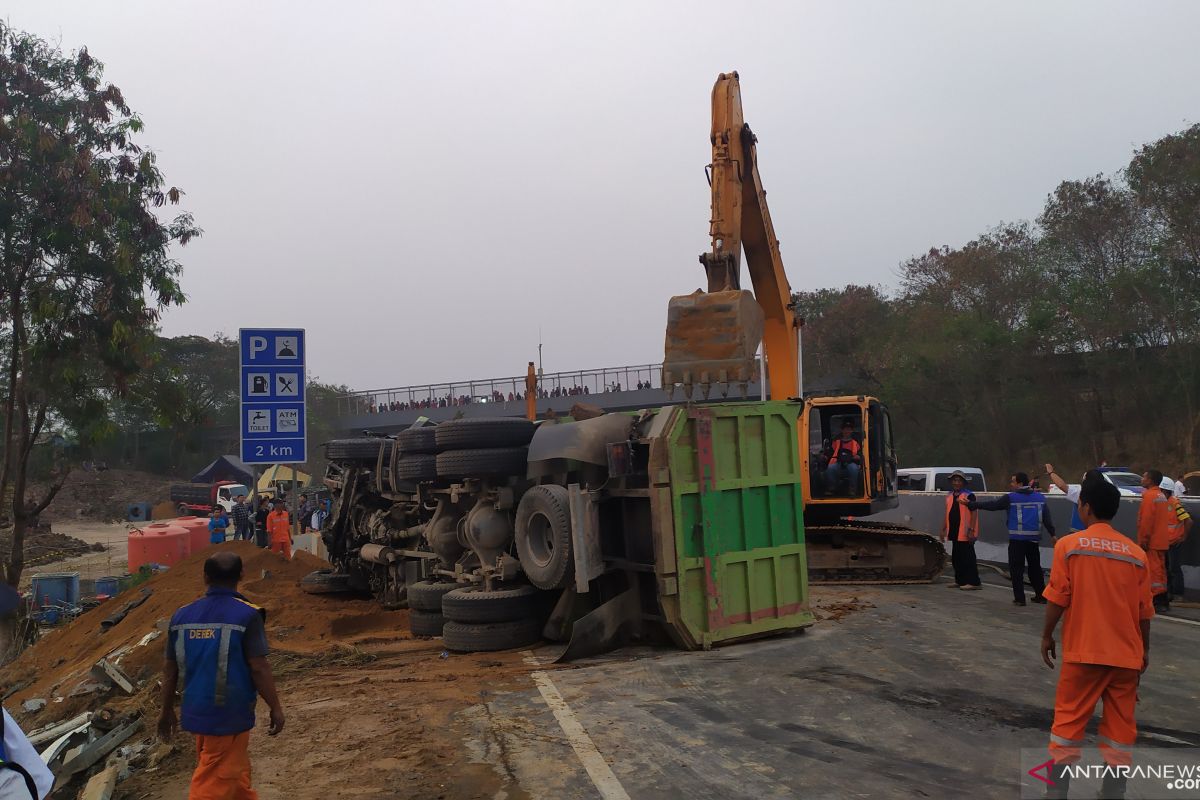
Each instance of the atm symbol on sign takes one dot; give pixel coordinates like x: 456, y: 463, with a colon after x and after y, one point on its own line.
x: 287, y: 420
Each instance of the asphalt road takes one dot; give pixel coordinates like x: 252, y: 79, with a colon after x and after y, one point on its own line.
x: 929, y: 693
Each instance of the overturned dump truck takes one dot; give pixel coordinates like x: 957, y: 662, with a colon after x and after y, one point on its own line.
x: 683, y: 523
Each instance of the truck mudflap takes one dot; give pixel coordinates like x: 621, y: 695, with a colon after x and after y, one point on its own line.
x: 853, y: 551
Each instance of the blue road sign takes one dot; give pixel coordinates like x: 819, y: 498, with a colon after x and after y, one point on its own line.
x: 272, y: 394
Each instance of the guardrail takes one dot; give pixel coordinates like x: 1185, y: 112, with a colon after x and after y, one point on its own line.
x: 495, y: 390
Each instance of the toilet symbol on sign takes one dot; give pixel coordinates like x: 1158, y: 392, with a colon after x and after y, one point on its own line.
x: 285, y: 346
x: 258, y: 421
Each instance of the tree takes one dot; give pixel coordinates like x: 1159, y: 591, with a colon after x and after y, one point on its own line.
x: 86, y: 259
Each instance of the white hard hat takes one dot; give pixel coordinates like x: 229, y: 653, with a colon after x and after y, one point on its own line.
x: 1166, y: 484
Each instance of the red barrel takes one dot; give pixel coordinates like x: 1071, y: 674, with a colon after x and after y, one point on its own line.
x: 157, y: 544
x: 197, y: 531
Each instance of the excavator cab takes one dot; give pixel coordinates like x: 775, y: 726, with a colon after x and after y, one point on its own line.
x: 849, y: 460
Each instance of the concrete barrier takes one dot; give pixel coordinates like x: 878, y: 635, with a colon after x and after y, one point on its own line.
x: 923, y: 511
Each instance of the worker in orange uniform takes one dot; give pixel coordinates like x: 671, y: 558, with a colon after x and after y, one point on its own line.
x: 1179, y: 525
x: 1153, y: 535
x: 217, y: 650
x: 1100, y: 589
x: 279, y: 529
x: 960, y: 527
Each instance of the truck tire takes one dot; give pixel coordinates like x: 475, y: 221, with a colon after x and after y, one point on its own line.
x: 418, y: 440
x: 472, y: 605
x: 465, y: 637
x: 184, y: 510
x: 463, y: 434
x: 425, y: 623
x: 364, y: 450
x: 325, y: 581
x: 543, y: 537
x: 427, y: 595
x: 483, y: 463
x: 417, y: 468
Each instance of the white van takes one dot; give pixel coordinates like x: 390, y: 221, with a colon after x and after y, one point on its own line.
x: 937, y: 479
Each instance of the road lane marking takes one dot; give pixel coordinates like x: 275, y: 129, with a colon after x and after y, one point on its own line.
x: 585, y: 749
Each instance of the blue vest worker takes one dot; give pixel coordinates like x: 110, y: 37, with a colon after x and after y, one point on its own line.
x: 1028, y: 513
x: 216, y: 656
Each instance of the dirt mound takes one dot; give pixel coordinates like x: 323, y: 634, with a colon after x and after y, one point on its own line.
x: 44, y: 546
x: 104, y: 496
x: 296, y: 622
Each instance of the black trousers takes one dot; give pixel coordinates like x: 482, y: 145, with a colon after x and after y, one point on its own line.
x: 1175, y: 570
x: 966, y: 568
x: 1021, y: 554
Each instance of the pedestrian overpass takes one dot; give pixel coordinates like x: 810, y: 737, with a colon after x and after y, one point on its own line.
x: 612, y: 389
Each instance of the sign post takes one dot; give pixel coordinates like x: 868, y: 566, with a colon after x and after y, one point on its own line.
x: 272, y: 386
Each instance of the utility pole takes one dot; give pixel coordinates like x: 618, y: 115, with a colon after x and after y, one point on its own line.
x: 540, y: 372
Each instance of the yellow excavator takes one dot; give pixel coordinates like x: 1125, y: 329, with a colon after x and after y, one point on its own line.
x: 712, y: 342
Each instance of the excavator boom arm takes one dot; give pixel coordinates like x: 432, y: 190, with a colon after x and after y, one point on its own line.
x: 713, y: 337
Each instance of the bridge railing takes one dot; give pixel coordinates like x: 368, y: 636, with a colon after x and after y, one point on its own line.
x: 494, y: 390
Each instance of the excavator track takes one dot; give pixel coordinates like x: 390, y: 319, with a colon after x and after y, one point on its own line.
x: 857, y: 552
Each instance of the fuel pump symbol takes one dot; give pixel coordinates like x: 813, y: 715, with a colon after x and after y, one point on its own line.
x: 259, y: 385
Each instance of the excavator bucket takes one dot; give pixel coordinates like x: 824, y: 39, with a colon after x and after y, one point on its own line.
x: 712, y: 338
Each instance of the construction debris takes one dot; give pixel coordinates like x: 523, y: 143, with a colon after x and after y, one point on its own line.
x: 124, y: 610
x: 51, y: 732
x: 104, y: 669
x: 92, y: 752
x: 34, y: 705
x: 102, y: 785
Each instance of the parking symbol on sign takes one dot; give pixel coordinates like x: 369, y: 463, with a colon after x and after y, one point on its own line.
x: 287, y: 420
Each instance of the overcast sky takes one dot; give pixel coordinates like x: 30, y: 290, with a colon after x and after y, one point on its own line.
x: 425, y: 186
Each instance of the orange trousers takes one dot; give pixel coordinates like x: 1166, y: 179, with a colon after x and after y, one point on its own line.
x: 1158, y: 571
x: 223, y: 769
x: 282, y: 546
x: 1079, y: 687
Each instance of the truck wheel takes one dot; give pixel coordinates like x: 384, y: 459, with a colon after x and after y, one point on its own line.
x: 417, y: 468
x: 418, y: 440
x: 364, y: 450
x: 184, y: 510
x: 427, y: 595
x: 543, y: 537
x: 325, y: 581
x: 425, y: 623
x: 465, y: 637
x: 462, y: 434
x: 469, y: 604
x: 498, y: 461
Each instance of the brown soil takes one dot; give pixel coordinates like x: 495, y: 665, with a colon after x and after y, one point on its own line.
x: 44, y: 546
x: 104, y: 496
x: 831, y: 603
x: 370, y: 710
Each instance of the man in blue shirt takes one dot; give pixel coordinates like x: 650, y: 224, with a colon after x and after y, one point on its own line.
x: 218, y: 523
x: 1027, y: 513
x: 217, y: 650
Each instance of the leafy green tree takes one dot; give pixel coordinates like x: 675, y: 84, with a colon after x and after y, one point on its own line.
x: 86, y: 264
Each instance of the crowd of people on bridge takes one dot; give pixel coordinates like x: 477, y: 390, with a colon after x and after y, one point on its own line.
x: 373, y: 405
